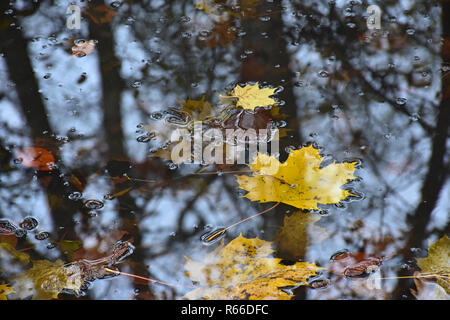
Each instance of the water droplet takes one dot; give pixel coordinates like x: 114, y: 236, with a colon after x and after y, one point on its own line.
x: 136, y: 84
x: 75, y: 195
x: 185, y: 19
x: 145, y: 138
x: 401, y: 101
x: 42, y: 235
x: 93, y: 204
x: 414, y: 117
x: 213, y: 236
x: 29, y: 223
x: 173, y: 166
x: 116, y: 4
x: 323, y: 74
x: 156, y: 116
x: 47, y: 76
x: 51, y: 245
x: 19, y: 233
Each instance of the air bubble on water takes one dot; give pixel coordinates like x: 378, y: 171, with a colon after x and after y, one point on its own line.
x: 116, y: 4
x: 186, y: 35
x: 93, y: 204
x: 29, y: 223
x: 323, y: 74
x: 136, y: 84
x: 410, y: 31
x: 108, y: 196
x: 414, y: 117
x: 47, y: 76
x: 145, y: 138
x: 19, y: 233
x: 75, y: 195
x: 173, y: 234
x: 185, y: 19
x: 156, y: 116
x: 92, y: 213
x: 401, y: 101
x: 42, y: 236
x: 51, y: 245
x: 18, y: 161
x: 172, y: 166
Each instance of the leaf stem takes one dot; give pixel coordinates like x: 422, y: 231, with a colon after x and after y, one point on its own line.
x: 146, y: 279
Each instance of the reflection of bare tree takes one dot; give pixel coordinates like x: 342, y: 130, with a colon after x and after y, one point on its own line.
x: 437, y: 168
x: 118, y: 166
x: 21, y: 73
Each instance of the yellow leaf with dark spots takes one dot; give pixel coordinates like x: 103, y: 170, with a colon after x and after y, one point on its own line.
x: 438, y: 262
x: 245, y: 269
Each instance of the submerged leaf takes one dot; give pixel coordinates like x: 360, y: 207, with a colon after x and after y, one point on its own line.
x: 299, y: 182
x: 45, y: 280
x: 13, y: 253
x: 297, y: 232
x: 244, y: 269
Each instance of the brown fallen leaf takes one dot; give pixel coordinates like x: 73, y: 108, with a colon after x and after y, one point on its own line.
x: 37, y: 158
x: 100, y: 14
x: 354, y: 264
x: 82, y: 48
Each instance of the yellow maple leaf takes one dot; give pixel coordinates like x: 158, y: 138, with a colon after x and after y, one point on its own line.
x: 299, y: 182
x: 244, y: 269
x: 438, y: 262
x: 46, y: 279
x: 251, y: 96
x: 198, y: 110
x: 5, y: 289
x: 297, y: 232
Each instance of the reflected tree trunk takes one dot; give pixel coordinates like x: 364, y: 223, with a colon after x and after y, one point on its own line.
x: 15, y: 48
x: 437, y: 168
x: 268, y: 60
x: 112, y: 88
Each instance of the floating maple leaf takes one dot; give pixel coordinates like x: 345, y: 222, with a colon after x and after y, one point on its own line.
x: 252, y: 96
x: 5, y: 289
x: 299, y: 182
x: 244, y: 269
x: 438, y: 262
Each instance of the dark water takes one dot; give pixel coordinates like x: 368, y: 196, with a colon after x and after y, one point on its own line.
x: 85, y: 95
